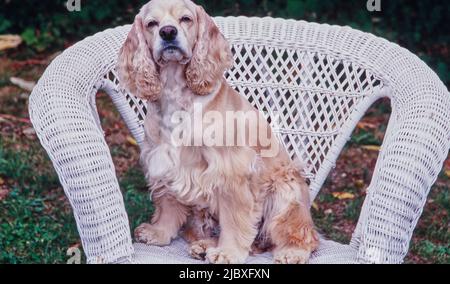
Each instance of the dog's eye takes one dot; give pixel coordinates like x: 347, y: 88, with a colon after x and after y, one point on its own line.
x: 186, y: 19
x: 152, y: 24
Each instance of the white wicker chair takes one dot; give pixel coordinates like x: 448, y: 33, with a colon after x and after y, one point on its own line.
x: 320, y: 79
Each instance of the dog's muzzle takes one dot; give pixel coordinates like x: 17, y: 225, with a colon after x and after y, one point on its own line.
x: 171, y: 51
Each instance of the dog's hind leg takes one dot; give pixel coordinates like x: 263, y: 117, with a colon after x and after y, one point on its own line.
x: 289, y: 223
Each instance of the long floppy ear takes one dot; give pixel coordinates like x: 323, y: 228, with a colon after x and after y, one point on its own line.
x: 136, y: 68
x: 211, y: 56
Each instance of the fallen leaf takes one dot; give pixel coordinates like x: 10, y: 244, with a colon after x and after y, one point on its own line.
x: 366, y: 125
x: 315, y: 206
x: 9, y: 41
x: 343, y: 195
x: 328, y: 212
x: 29, y: 132
x: 371, y: 147
x: 21, y: 83
x: 447, y: 173
x: 359, y: 183
x: 2, y: 181
x: 132, y: 141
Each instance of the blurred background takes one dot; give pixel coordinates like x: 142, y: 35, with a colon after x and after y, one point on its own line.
x: 36, y: 223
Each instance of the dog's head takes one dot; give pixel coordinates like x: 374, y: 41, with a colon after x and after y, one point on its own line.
x: 173, y: 31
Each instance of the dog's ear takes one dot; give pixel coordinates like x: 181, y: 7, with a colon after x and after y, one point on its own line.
x: 136, y: 68
x: 211, y: 56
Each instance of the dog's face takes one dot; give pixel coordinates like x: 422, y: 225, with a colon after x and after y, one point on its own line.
x: 171, y: 28
x: 173, y: 31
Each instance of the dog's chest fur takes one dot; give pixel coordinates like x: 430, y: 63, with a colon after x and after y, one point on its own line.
x: 192, y: 174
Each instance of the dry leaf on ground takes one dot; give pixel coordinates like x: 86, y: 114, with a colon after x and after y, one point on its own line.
x: 9, y: 41
x: 366, y: 125
x: 315, y: 206
x: 343, y: 195
x: 23, y: 84
x: 132, y: 141
x: 371, y: 147
x: 359, y: 183
x: 29, y: 132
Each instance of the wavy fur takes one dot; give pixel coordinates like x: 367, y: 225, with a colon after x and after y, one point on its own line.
x: 136, y: 68
x: 211, y: 57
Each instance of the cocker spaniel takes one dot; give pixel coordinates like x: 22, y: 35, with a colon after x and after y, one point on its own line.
x: 215, y: 170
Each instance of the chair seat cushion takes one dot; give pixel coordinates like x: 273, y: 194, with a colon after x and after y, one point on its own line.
x: 177, y: 253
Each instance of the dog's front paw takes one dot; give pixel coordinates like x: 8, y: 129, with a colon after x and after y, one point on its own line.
x: 224, y: 256
x: 292, y: 256
x: 198, y: 248
x: 150, y: 235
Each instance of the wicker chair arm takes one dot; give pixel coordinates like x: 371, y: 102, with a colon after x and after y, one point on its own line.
x: 416, y: 145
x: 62, y: 109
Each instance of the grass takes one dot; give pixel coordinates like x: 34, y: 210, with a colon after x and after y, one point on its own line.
x: 353, y: 208
x: 325, y: 223
x: 36, y: 224
x: 136, y: 197
x: 364, y: 138
x: 431, y: 240
x: 434, y: 252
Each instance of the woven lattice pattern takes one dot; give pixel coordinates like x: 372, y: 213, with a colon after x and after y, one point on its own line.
x: 313, y: 82
x: 177, y: 253
x: 307, y: 96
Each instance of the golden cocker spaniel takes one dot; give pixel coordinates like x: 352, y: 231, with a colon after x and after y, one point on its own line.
x: 214, y: 168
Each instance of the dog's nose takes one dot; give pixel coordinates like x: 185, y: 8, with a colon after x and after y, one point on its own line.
x: 168, y: 33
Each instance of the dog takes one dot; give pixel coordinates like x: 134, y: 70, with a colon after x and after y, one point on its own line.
x: 227, y: 200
